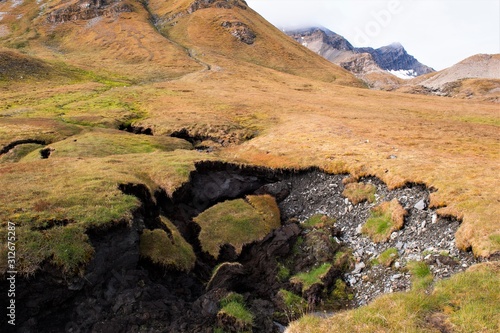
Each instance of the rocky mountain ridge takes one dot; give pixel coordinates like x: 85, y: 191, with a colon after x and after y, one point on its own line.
x: 340, y: 51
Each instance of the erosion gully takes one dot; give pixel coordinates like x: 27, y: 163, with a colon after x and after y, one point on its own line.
x: 122, y: 292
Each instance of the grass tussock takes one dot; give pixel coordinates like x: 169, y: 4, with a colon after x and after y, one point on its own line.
x: 421, y: 275
x: 387, y: 257
x: 384, y: 220
x: 318, y: 221
x: 233, y: 306
x: 294, y: 305
x: 314, y: 276
x: 237, y: 222
x: 467, y: 302
x: 359, y: 192
x: 168, y: 250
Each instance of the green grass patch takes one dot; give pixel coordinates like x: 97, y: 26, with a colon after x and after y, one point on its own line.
x: 283, y: 273
x: 18, y: 152
x: 421, y: 275
x: 71, y: 249
x: 387, y: 257
x: 237, y: 222
x: 384, y: 220
x: 105, y: 142
x: 318, y: 221
x: 495, y: 239
x: 340, y: 292
x: 234, y: 306
x: 169, y: 252
x: 294, y: 305
x: 307, y: 279
x: 359, y: 192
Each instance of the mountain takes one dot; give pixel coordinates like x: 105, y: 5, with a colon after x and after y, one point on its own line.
x: 367, y: 63
x: 155, y: 40
x: 394, y: 58
x: 477, y: 77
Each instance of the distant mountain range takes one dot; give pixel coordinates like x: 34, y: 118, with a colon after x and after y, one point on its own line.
x: 363, y: 62
x: 392, y: 68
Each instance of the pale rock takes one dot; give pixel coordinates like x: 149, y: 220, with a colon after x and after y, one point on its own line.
x: 420, y: 205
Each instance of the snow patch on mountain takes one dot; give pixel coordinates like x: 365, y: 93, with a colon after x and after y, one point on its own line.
x: 405, y: 74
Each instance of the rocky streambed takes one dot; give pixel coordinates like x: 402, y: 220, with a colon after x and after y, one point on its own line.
x: 319, y: 259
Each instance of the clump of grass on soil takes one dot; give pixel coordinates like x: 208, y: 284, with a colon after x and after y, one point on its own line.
x: 233, y: 305
x: 295, y: 306
x: 421, y: 274
x: 384, y: 220
x: 467, y: 302
x: 359, y: 192
x: 308, y: 279
x: 237, y: 222
x: 318, y: 221
x: 387, y: 257
x: 168, y: 251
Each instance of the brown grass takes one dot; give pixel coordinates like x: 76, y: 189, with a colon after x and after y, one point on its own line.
x: 359, y: 192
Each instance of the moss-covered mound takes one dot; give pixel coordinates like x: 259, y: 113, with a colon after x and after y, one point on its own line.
x: 237, y: 222
x: 169, y: 250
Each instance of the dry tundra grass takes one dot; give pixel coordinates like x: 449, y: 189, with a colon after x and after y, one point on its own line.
x: 276, y: 103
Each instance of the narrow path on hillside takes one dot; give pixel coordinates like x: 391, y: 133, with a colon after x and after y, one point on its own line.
x: 190, y: 53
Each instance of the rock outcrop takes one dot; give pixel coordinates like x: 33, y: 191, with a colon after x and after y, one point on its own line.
x: 395, y: 58
x: 241, y: 31
x: 227, y: 4
x: 88, y: 9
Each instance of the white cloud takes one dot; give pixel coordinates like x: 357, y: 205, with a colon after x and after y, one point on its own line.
x: 439, y: 33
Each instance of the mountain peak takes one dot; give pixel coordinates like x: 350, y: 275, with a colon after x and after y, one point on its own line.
x: 392, y: 58
x: 396, y: 45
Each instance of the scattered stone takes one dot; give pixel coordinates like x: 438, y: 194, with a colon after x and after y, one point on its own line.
x: 420, y: 205
x: 358, y: 267
x: 409, y: 241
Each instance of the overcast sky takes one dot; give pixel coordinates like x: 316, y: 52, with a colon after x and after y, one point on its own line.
x: 439, y: 33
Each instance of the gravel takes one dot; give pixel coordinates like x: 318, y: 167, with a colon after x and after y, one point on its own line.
x: 425, y: 236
